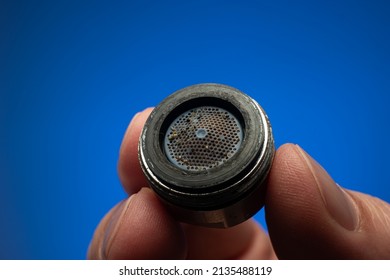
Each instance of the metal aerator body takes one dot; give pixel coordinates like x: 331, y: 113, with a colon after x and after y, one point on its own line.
x: 206, y: 151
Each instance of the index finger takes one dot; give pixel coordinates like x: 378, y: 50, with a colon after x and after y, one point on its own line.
x: 129, y: 169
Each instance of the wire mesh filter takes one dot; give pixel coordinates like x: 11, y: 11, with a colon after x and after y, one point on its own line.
x: 202, y: 138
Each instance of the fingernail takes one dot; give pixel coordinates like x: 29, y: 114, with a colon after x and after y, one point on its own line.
x: 134, y: 121
x: 114, y: 225
x: 130, y: 129
x: 338, y: 203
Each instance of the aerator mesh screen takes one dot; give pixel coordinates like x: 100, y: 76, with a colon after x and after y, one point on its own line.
x: 202, y: 138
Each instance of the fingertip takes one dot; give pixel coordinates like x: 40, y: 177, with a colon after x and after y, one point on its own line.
x: 286, y: 194
x: 302, y: 220
x: 145, y: 231
x: 286, y: 181
x: 129, y: 169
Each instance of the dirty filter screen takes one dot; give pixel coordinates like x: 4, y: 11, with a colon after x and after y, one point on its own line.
x: 202, y: 138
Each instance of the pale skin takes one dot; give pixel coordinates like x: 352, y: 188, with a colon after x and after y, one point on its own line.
x: 308, y: 216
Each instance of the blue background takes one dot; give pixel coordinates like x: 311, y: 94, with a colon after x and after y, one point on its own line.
x: 72, y: 75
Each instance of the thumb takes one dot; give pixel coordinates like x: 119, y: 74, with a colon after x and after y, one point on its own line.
x: 310, y: 217
x: 138, y: 228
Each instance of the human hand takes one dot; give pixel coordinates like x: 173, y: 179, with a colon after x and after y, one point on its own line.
x: 308, y: 216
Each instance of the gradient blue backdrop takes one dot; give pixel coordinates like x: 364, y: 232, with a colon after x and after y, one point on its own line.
x: 72, y: 75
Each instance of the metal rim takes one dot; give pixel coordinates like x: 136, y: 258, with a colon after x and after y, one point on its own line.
x: 218, y: 187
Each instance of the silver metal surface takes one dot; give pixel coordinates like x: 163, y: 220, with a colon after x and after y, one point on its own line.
x: 203, y: 141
